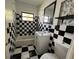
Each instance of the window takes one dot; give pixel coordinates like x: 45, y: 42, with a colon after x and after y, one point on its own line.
x: 27, y: 16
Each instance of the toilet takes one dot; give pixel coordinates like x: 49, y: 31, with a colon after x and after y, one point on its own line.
x: 49, y: 56
x: 60, y: 52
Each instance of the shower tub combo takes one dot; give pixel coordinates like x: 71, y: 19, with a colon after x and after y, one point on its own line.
x: 25, y: 40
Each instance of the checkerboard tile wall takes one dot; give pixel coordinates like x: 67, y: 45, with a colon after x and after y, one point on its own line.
x: 63, y: 33
x: 44, y: 27
x: 26, y: 27
x: 11, y: 36
x: 58, y: 31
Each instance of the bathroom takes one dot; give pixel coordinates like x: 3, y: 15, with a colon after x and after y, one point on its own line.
x: 39, y: 29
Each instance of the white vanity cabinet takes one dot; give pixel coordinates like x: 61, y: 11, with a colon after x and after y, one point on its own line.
x: 41, y: 42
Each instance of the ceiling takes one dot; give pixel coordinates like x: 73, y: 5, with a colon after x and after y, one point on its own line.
x: 33, y: 2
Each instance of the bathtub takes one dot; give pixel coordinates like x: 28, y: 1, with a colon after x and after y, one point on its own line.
x: 24, y: 40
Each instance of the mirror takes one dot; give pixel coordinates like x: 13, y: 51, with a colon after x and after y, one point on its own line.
x: 49, y: 13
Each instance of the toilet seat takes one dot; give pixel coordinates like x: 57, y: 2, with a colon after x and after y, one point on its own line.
x: 49, y: 56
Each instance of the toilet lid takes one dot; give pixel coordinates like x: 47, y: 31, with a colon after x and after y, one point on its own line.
x: 49, y: 56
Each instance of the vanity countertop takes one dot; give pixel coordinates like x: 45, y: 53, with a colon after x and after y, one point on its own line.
x: 43, y: 33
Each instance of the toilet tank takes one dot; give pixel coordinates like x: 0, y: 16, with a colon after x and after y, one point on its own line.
x: 61, y: 50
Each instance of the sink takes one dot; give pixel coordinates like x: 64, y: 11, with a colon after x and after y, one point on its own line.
x: 42, y: 33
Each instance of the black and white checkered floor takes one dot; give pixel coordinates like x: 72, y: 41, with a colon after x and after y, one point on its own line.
x: 28, y: 52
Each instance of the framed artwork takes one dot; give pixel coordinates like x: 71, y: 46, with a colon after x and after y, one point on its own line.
x: 67, y: 8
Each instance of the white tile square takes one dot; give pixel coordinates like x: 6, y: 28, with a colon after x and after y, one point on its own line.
x: 18, y: 50
x: 24, y: 46
x: 20, y: 18
x: 56, y: 32
x: 51, y: 34
x: 34, y: 57
x: 20, y: 23
x: 62, y: 27
x: 60, y: 38
x: 30, y: 48
x: 23, y: 30
x: 17, y: 15
x: 52, y: 47
x: 20, y: 28
x: 53, y: 26
x: 25, y: 55
x: 21, y: 33
x: 68, y: 35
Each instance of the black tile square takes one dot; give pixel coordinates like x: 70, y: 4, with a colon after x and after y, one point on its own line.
x: 7, y: 30
x: 20, y: 31
x: 55, y: 36
x: 51, y: 30
x: 17, y: 23
x: 53, y: 43
x: 51, y: 38
x: 18, y: 47
x: 25, y: 30
x: 20, y: 16
x: 70, y: 29
x: 44, y: 25
x: 17, y: 28
x: 33, y: 33
x: 61, y: 33
x: 9, y: 24
x: 22, y: 23
x: 52, y: 51
x: 48, y: 50
x: 67, y: 40
x: 46, y: 29
x: 34, y: 47
x: 35, y: 24
x: 39, y: 56
x: 10, y: 34
x: 17, y: 18
x: 32, y: 53
x: 50, y: 45
x: 57, y: 27
x: 16, y: 56
x: 20, y: 26
x: 25, y: 33
x: 49, y: 26
x: 25, y: 25
x: 9, y: 40
x: 25, y: 21
x: 20, y: 34
x: 24, y: 49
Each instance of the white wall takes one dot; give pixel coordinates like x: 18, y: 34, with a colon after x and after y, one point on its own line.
x: 24, y: 7
x: 46, y: 3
